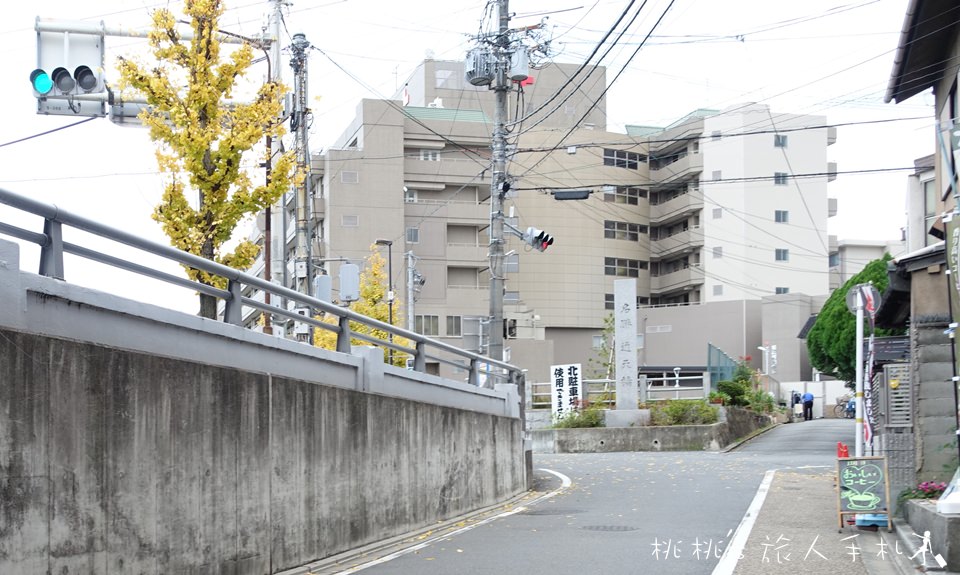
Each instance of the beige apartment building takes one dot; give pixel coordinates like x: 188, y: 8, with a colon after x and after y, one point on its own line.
x: 711, y: 215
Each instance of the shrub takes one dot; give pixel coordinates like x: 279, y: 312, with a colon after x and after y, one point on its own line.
x: 761, y: 401
x: 683, y: 412
x: 736, y: 390
x: 587, y: 417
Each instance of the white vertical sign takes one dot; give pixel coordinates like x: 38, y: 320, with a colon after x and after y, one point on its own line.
x: 625, y: 332
x: 566, y: 390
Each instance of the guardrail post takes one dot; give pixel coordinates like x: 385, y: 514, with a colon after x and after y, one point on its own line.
x: 51, y: 254
x: 343, y: 338
x: 474, y: 372
x: 420, y: 360
x: 231, y: 308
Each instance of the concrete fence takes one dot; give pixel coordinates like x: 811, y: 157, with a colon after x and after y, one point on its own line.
x: 138, y: 440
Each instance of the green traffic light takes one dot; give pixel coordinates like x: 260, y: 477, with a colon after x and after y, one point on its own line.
x: 41, y: 81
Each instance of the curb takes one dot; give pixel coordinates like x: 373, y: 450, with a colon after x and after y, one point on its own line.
x: 749, y: 436
x: 348, y: 559
x: 909, y: 540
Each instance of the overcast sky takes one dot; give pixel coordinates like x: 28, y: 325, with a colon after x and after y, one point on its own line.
x: 830, y: 58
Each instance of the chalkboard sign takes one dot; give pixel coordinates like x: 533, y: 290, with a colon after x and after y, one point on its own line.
x: 863, y: 487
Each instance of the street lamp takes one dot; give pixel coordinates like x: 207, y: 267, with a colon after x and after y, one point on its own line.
x: 389, y: 244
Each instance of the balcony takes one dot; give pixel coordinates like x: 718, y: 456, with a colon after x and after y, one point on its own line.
x: 460, y: 211
x: 466, y: 254
x: 446, y: 170
x: 679, y: 280
x: 319, y: 208
x: 686, y: 203
x: 685, y: 165
x: 681, y: 242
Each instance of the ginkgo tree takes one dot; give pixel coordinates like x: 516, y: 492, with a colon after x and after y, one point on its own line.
x: 202, y: 141
x: 372, y: 303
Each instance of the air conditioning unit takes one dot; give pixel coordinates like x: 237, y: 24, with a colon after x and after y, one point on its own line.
x: 479, y: 67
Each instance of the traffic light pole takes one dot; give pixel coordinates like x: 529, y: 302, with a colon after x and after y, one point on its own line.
x: 498, y: 186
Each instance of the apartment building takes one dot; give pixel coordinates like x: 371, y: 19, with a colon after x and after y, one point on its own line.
x: 709, y: 215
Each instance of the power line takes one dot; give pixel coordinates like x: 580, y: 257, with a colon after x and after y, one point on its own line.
x: 48, y: 132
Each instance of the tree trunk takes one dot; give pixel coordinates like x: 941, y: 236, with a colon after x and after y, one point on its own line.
x: 208, y: 306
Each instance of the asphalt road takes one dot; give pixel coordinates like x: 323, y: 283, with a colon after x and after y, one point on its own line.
x: 624, y: 513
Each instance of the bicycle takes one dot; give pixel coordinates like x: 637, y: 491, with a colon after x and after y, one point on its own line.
x: 840, y: 410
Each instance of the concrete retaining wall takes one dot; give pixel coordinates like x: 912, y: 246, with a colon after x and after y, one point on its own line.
x: 944, y: 529
x: 251, y: 455
x: 739, y: 423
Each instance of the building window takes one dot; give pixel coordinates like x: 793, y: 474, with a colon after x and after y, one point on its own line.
x: 780, y: 178
x: 409, y: 195
x: 834, y: 260
x: 348, y: 221
x: 715, y: 135
x: 717, y: 175
x: 623, y: 267
x: 718, y: 289
x: 624, y: 195
x: 930, y: 214
x: 608, y: 301
x: 430, y: 155
x: 781, y: 216
x: 718, y: 252
x: 509, y: 329
x: 413, y: 235
x: 349, y: 177
x: 598, y: 341
x: 782, y: 290
x: 717, y: 213
x: 623, y: 231
x: 427, y: 324
x: 622, y: 159
x: 782, y: 255
x: 454, y: 327
x: 780, y: 140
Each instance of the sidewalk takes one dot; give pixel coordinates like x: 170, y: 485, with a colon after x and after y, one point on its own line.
x: 797, y: 531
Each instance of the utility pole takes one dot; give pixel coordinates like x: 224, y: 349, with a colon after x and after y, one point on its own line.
x: 299, y: 124
x: 499, y: 184
x: 411, y: 261
x: 273, y: 66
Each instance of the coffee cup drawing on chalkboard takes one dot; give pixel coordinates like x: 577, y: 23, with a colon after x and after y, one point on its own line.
x: 857, y: 485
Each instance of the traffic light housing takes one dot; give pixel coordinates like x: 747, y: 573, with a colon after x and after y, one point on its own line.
x: 69, y: 66
x: 538, y: 239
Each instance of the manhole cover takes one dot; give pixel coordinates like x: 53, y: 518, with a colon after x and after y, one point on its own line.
x: 609, y: 528
x: 549, y: 511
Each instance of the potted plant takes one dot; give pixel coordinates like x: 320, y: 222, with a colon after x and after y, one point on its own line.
x: 718, y: 397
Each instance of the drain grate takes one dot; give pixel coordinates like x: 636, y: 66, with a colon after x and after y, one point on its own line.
x: 609, y: 528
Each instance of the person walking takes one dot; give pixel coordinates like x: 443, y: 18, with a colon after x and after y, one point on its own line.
x: 807, y: 406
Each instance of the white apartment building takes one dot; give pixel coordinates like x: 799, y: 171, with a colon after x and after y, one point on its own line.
x: 710, y: 215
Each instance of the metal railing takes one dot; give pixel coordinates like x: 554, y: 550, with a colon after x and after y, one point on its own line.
x: 53, y: 247
x: 604, y: 391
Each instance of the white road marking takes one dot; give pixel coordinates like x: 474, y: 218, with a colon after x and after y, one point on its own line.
x: 734, y: 550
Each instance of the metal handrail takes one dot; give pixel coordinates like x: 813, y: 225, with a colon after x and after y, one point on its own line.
x: 52, y: 248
